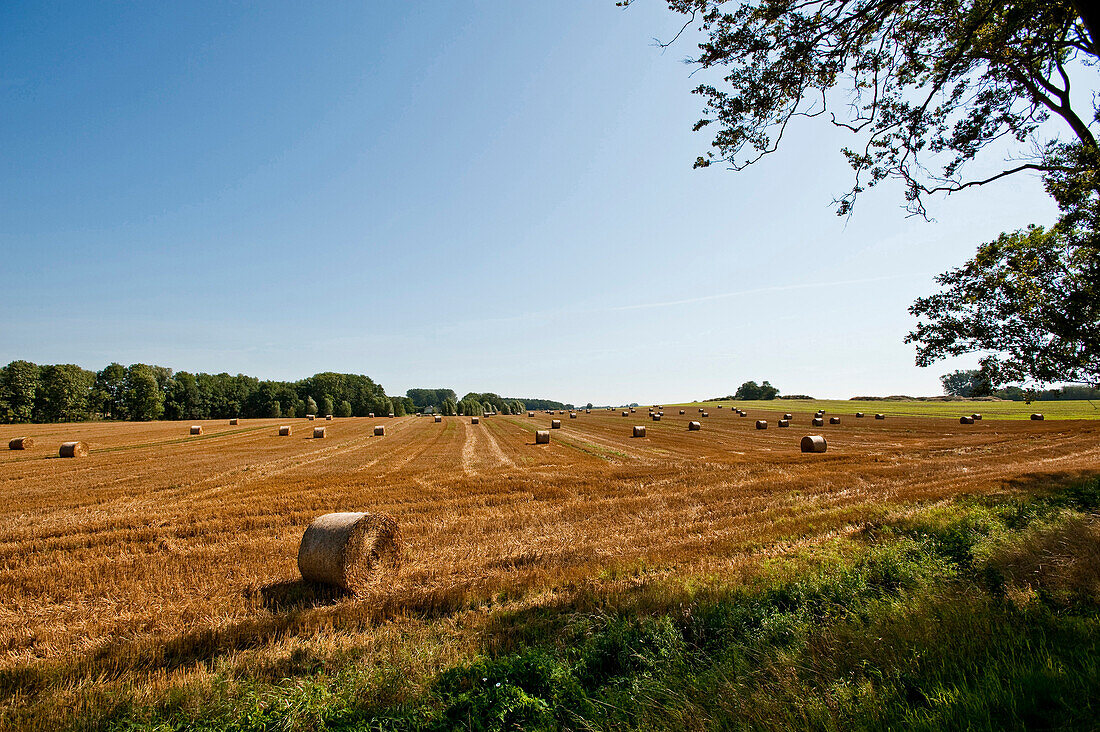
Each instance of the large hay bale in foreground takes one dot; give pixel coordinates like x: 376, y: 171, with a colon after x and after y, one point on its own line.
x: 379, y: 430
x: 350, y: 550
x: 818, y: 422
x: 196, y: 429
x: 285, y: 431
x: 234, y: 421
x: 73, y: 450
x: 475, y: 420
x: 761, y: 424
x: 438, y: 418
x: 695, y: 425
x: 542, y: 437
x: 1037, y: 417
x: 639, y: 430
x: 814, y: 443
x: 21, y: 443
x: 318, y: 433
x: 784, y: 423
x: 555, y: 424
x: 834, y: 420
x: 966, y: 420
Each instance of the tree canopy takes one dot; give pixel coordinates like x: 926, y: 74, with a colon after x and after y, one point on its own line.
x: 925, y: 87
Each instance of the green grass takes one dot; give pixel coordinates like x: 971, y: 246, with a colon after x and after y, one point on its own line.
x: 953, y: 410
x: 930, y: 620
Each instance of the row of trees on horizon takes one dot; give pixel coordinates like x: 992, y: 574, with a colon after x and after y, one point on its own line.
x: 141, y: 392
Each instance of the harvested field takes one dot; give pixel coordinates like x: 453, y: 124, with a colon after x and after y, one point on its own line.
x: 159, y: 556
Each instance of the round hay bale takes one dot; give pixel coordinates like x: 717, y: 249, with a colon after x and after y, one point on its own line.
x: 350, y: 550
x: 880, y: 416
x: 21, y: 443
x: 632, y: 410
x: 73, y: 450
x: 1037, y: 417
x: 196, y: 429
x: 695, y: 426
x: 542, y: 437
x: 328, y: 417
x: 311, y: 417
x: 818, y: 422
x: 234, y: 421
x: 814, y: 443
x: 859, y: 415
x: 285, y: 431
x: 639, y: 430
x: 834, y: 420
x: 700, y: 410
x: 475, y: 420
x: 784, y: 423
x: 976, y: 417
x: 626, y: 413
x: 656, y: 417
x: 530, y: 414
x: 379, y: 430
x: 438, y: 418
x: 788, y: 416
x: 391, y: 415
x: 318, y: 433
x: 761, y: 424
x: 683, y: 411
x: 561, y: 411
x: 572, y: 415
x: 555, y: 424
x: 705, y: 414
x: 966, y: 420
x: 370, y: 414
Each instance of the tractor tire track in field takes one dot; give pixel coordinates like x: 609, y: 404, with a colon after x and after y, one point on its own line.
x: 496, y: 451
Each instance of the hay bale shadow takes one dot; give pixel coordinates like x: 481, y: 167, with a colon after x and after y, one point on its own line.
x: 299, y: 595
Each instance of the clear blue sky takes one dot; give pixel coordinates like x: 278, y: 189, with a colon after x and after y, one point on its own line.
x: 490, y: 196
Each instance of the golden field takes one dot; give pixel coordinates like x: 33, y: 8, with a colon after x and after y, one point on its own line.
x: 161, y: 557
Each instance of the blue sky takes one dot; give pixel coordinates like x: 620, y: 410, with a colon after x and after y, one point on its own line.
x: 488, y: 196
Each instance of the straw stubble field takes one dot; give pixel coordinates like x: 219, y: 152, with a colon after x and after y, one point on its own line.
x: 162, y: 556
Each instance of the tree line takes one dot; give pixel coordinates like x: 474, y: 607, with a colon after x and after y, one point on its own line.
x: 969, y: 383
x: 446, y: 402
x: 68, y: 393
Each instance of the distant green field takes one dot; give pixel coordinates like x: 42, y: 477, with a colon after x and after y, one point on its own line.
x: 988, y: 410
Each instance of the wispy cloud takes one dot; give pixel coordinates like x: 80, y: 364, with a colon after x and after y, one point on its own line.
x: 758, y: 290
